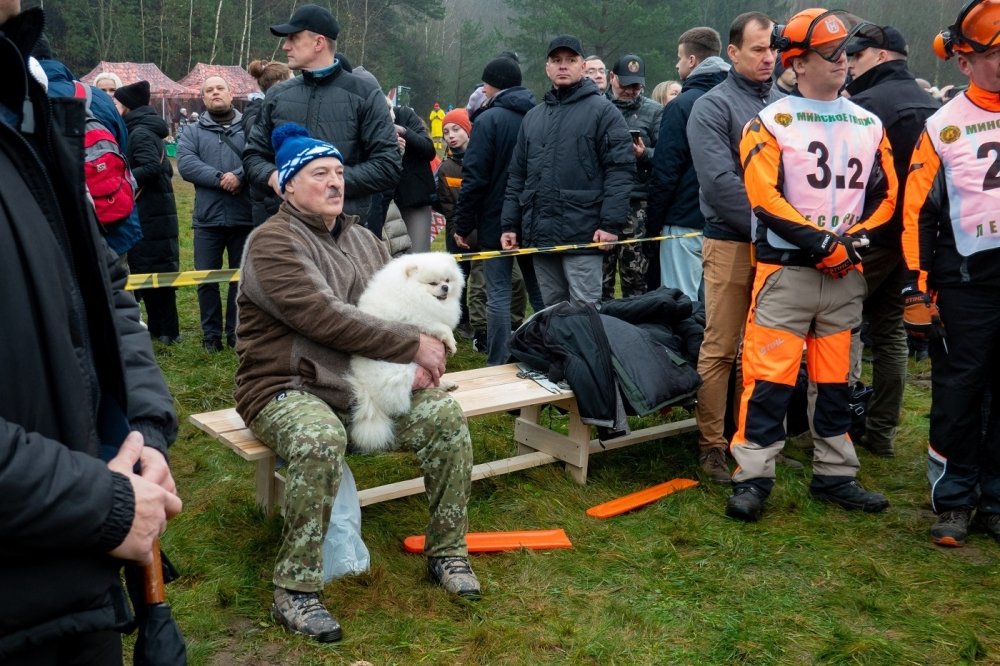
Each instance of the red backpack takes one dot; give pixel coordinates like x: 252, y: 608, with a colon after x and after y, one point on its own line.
x: 106, y: 171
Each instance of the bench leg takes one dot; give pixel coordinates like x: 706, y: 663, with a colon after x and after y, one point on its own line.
x: 531, y: 414
x: 265, y: 485
x: 579, y: 432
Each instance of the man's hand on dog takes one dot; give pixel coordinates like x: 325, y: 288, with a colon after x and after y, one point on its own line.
x: 431, y: 357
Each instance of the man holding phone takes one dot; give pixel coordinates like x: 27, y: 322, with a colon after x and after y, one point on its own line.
x: 642, y: 115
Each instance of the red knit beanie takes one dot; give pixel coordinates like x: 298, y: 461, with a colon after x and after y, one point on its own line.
x: 458, y: 117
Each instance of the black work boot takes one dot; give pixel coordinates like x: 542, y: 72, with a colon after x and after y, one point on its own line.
x: 849, y: 495
x: 952, y: 528
x: 746, y: 503
x: 990, y: 523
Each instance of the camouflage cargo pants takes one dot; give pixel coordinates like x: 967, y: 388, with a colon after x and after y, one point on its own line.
x: 628, y: 260
x: 312, y: 440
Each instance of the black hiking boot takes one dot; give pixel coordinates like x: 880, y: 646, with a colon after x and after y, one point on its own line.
x: 951, y: 528
x: 990, y: 522
x: 852, y: 495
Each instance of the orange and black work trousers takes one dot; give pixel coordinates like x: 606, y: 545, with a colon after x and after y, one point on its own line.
x: 794, y: 306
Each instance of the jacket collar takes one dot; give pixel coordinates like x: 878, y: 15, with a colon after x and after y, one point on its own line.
x: 756, y: 88
x: 320, y: 75
x: 582, y: 88
x: 316, y: 222
x: 892, y: 70
x: 18, y: 36
x: 25, y: 29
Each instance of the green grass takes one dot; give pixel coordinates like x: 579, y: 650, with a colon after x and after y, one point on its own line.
x: 674, y: 583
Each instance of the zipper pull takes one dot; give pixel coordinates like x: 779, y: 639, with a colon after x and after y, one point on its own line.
x: 27, y: 117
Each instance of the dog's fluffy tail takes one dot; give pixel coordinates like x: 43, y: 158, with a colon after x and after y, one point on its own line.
x: 371, y: 428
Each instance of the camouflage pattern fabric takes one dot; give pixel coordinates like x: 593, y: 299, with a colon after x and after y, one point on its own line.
x: 628, y: 260
x: 312, y: 440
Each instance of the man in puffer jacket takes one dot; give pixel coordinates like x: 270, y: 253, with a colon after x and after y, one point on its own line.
x: 335, y: 105
x: 570, y: 179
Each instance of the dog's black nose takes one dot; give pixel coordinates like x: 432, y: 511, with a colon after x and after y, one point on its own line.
x: 444, y: 288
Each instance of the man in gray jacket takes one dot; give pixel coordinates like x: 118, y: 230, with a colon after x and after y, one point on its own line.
x: 714, y: 131
x: 209, y: 156
x: 673, y: 187
x: 334, y: 105
x: 570, y: 179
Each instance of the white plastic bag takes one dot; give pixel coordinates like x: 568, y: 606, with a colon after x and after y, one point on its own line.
x: 344, y: 553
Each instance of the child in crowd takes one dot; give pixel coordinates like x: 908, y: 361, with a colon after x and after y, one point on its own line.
x: 456, y: 129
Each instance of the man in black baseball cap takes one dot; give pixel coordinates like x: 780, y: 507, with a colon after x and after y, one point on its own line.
x: 354, y: 116
x: 629, y: 70
x: 884, y: 85
x: 579, y: 144
x: 309, y: 17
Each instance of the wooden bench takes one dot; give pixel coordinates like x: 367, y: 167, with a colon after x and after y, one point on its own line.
x: 480, y: 391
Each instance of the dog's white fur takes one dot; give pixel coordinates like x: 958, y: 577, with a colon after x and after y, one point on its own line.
x: 425, y: 290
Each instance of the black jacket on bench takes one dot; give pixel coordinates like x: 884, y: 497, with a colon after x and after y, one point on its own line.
x: 600, y: 354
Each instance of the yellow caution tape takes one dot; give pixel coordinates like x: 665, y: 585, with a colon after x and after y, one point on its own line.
x: 193, y: 278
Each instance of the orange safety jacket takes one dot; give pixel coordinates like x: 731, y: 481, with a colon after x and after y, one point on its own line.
x: 951, y: 214
x: 814, y: 168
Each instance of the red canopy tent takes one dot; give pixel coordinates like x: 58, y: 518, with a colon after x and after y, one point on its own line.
x: 239, y: 80
x: 161, y: 86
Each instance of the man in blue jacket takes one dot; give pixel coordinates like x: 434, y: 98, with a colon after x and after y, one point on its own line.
x: 209, y: 154
x: 673, y: 189
x: 484, y: 179
x: 570, y: 179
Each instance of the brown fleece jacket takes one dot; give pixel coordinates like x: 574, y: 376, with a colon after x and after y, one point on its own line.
x: 298, y: 324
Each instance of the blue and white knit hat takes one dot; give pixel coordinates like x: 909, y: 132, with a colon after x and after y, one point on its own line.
x: 294, y: 148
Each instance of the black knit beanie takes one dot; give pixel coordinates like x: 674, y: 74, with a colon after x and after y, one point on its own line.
x: 133, y: 95
x: 502, y: 73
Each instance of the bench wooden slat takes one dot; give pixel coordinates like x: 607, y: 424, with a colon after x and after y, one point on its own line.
x: 480, y: 391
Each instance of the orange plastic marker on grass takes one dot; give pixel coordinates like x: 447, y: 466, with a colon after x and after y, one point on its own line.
x: 495, y: 542
x: 621, y: 505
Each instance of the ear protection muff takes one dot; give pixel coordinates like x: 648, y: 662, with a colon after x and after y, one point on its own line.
x: 944, y: 45
x: 778, y: 41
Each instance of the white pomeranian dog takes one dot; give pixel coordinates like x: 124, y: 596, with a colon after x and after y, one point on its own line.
x: 425, y: 290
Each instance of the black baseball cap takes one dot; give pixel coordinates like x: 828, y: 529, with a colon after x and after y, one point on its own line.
x: 630, y: 69
x: 566, y: 42
x: 886, y: 37
x: 309, y: 17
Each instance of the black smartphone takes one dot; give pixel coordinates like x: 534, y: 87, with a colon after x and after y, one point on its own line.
x: 635, y: 135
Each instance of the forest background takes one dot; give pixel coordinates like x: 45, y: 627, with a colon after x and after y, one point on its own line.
x: 435, y: 50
